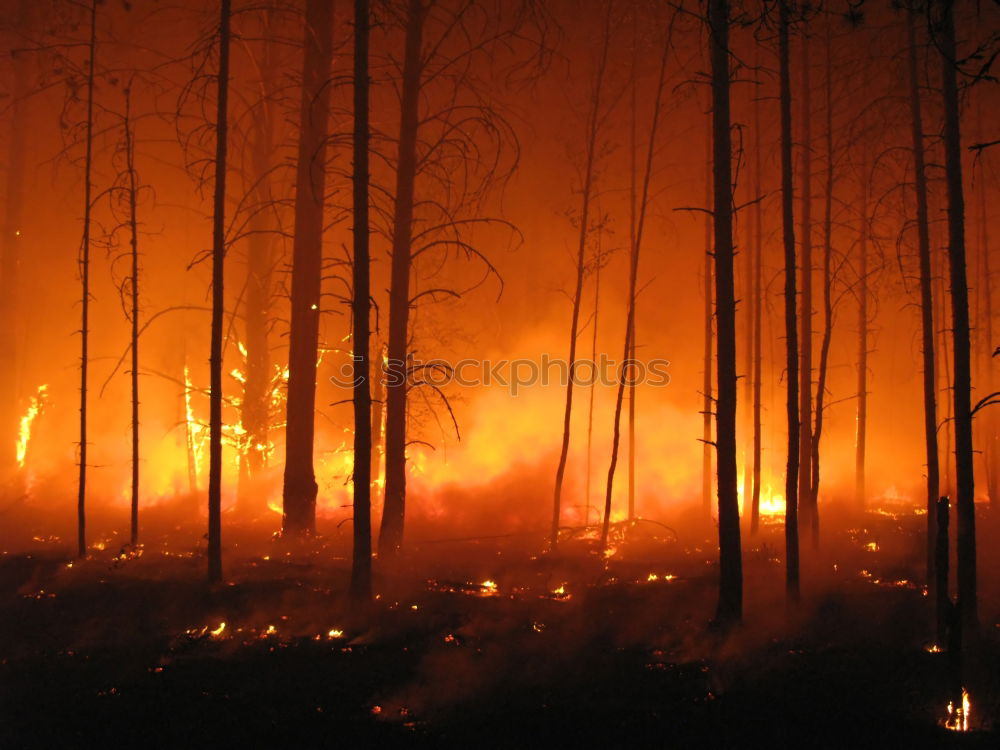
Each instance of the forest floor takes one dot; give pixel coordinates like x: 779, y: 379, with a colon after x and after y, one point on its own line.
x: 489, y: 643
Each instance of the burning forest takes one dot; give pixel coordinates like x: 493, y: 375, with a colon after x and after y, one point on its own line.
x: 499, y: 372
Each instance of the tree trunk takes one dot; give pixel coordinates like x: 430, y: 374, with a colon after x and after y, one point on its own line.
x: 361, y: 569
x: 394, y: 509
x: 134, y: 299
x: 806, y: 310
x: 588, y: 178
x: 299, y: 492
x: 962, y: 390
x: 926, y: 300
x: 862, y: 389
x: 824, y: 349
x: 988, y: 420
x: 377, y: 379
x: 81, y: 499
x: 791, y: 327
x: 255, y: 407
x: 947, y: 423
x: 942, y: 601
x: 218, y: 305
x: 730, y: 607
x: 10, y: 259
x: 593, y: 385
x: 758, y: 303
x: 707, y: 404
x: 633, y: 276
x: 748, y: 376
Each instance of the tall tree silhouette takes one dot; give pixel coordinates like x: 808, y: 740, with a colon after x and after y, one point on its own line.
x: 806, y: 303
x: 730, y: 606
x: 361, y: 569
x: 81, y: 498
x: 791, y: 326
x: 962, y: 386
x: 926, y: 298
x: 397, y: 375
x: 218, y: 302
x: 300, y: 488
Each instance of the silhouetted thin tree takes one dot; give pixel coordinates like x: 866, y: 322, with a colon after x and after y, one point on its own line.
x: 594, y: 119
x: 808, y: 512
x: 81, y: 499
x: 361, y: 569
x: 218, y: 302
x: 623, y: 374
x: 962, y: 386
x: 926, y: 298
x: 730, y: 606
x: 791, y: 325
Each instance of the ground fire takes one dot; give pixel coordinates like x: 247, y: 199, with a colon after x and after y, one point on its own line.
x: 499, y: 373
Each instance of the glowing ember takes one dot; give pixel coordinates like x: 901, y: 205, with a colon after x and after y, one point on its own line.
x: 24, y: 433
x: 335, y: 633
x: 667, y: 577
x: 958, y: 716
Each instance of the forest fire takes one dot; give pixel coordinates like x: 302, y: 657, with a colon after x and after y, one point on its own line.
x: 499, y: 372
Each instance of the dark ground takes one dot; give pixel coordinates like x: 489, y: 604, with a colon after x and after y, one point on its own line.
x: 117, y: 649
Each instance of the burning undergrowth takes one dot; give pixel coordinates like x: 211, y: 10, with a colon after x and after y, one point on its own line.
x: 465, y: 635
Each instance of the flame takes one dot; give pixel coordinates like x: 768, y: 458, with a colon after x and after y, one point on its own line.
x: 194, y: 430
x: 24, y: 433
x: 219, y: 630
x: 958, y: 717
x: 335, y: 633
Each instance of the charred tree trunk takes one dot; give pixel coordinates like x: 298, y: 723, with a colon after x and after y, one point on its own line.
x: 730, y: 607
x: 633, y: 276
x: 394, y: 509
x: 10, y: 258
x: 631, y: 427
x: 588, y: 178
x: 962, y: 391
x: 862, y: 389
x: 707, y: 404
x: 375, y: 365
x: 593, y: 385
x: 134, y: 300
x: 757, y: 300
x: 988, y: 420
x: 824, y: 349
x: 748, y: 375
x: 81, y: 499
x: 299, y: 492
x: 361, y: 569
x: 806, y: 305
x: 218, y: 304
x: 942, y: 601
x: 791, y: 326
x: 926, y: 301
x: 255, y: 408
